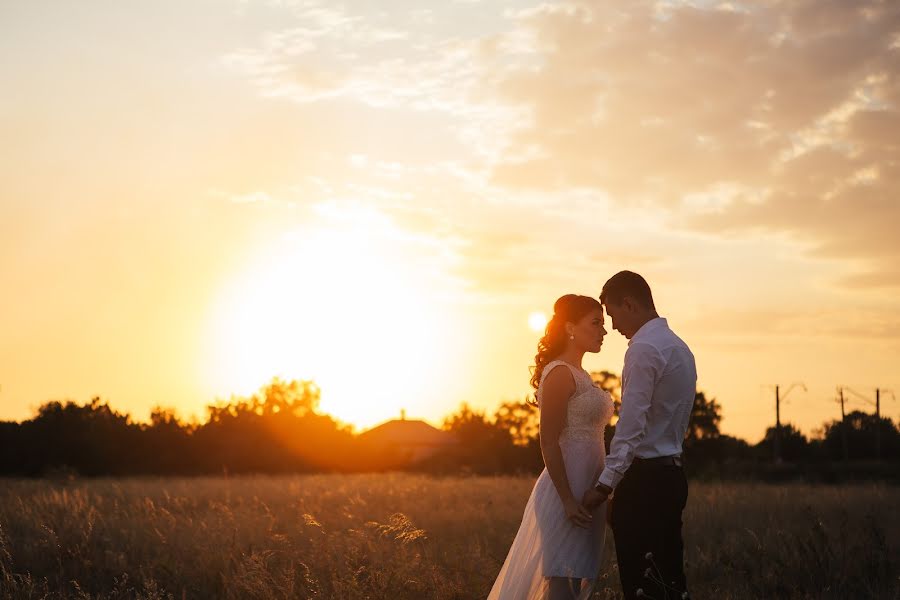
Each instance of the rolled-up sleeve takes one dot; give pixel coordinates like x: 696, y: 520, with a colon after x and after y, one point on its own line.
x: 643, y: 367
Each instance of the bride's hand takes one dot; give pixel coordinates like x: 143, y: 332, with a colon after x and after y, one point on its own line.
x: 577, y: 514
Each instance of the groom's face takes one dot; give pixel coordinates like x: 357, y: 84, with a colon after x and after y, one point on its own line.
x: 619, y: 317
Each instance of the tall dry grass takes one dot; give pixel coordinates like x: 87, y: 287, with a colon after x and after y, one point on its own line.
x: 407, y: 536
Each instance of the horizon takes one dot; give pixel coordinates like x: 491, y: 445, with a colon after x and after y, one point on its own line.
x: 356, y: 430
x: 387, y: 199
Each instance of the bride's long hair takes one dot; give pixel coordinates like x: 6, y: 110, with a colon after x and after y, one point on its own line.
x: 570, y: 308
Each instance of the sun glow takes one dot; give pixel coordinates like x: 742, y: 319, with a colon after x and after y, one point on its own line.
x: 537, y: 321
x: 346, y: 304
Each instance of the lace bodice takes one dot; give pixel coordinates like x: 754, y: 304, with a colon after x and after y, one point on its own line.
x: 589, y: 409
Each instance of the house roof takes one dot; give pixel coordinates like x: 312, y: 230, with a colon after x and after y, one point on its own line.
x: 408, y: 432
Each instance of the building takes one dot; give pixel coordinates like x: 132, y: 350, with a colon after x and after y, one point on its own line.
x: 406, y: 441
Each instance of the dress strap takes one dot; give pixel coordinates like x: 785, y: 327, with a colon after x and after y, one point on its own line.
x: 549, y: 367
x: 553, y: 364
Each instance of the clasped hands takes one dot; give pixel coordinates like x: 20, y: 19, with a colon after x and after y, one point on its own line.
x: 581, y: 515
x: 595, y: 496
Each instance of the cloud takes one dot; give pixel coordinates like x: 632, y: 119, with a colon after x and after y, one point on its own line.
x: 778, y: 324
x: 324, y: 52
x: 251, y: 198
x: 391, y: 60
x: 773, y: 116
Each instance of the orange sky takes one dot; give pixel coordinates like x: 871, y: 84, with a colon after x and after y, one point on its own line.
x: 198, y: 196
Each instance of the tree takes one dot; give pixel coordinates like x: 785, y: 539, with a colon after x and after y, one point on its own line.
x: 298, y: 398
x: 520, y: 419
x: 794, y: 445
x: 474, y: 431
x: 861, y: 437
x: 706, y: 415
x: 703, y: 442
x: 275, y: 430
x: 90, y: 439
x: 612, y: 383
x: 166, y: 444
x: 485, y: 446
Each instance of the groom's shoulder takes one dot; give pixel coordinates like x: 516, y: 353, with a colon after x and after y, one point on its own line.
x: 644, y: 348
x: 677, y: 338
x: 679, y: 344
x: 668, y: 340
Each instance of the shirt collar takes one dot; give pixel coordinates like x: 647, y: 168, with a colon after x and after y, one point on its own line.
x: 648, y: 328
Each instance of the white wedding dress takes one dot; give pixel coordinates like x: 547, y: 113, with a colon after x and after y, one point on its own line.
x: 547, y: 544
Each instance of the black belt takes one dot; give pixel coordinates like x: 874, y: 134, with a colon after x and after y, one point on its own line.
x: 659, y: 461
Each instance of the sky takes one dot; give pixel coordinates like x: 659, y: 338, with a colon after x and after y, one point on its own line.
x: 197, y: 196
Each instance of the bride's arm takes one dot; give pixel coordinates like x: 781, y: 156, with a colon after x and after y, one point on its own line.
x: 557, y: 388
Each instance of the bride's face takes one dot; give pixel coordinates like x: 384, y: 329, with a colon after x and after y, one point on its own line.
x: 589, y: 331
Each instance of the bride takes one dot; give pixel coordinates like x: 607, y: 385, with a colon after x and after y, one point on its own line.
x: 557, y: 552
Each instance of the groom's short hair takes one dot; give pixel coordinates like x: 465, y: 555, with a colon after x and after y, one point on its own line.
x: 627, y: 283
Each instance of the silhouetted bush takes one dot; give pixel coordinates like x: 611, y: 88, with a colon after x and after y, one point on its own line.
x: 280, y: 430
x: 860, y: 429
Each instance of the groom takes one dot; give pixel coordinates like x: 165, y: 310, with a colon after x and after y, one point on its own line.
x: 659, y: 381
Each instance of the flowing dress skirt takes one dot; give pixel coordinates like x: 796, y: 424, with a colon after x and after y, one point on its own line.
x: 547, y: 544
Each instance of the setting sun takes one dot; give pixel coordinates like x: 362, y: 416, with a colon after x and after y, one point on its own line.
x: 537, y: 321
x: 339, y: 303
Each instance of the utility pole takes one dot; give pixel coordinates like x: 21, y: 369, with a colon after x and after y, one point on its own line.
x: 843, y: 423
x: 777, y: 444
x: 877, y: 405
x: 778, y: 399
x: 877, y: 424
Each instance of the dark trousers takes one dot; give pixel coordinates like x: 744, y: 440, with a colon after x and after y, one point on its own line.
x: 646, y: 518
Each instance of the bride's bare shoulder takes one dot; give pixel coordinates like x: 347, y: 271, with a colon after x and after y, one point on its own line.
x: 559, y: 381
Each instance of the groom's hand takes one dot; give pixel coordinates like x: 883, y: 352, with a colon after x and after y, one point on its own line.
x: 593, y: 498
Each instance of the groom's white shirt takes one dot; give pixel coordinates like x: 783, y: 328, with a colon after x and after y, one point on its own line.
x: 659, y: 382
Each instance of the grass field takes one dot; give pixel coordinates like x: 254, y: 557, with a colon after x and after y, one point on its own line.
x: 404, y: 536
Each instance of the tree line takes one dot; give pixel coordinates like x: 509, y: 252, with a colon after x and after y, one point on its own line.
x: 508, y: 440
x: 281, y: 430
